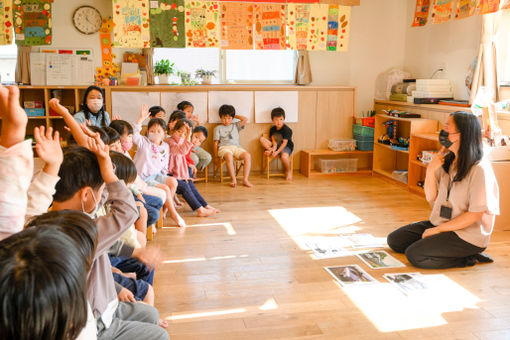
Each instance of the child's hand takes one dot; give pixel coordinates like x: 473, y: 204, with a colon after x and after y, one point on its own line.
x: 217, y: 161
x: 87, y: 131
x: 116, y: 117
x: 188, y: 131
x: 55, y: 106
x: 48, y: 148
x: 144, y: 114
x: 126, y: 295
x: 14, y: 118
x: 140, y: 197
x: 193, y: 170
x: 150, y: 256
x: 195, y: 119
x: 102, y: 153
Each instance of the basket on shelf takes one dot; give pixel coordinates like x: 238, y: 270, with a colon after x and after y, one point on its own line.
x: 364, y: 137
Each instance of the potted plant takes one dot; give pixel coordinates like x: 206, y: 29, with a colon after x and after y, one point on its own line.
x: 162, y: 69
x: 186, y: 78
x: 205, y: 76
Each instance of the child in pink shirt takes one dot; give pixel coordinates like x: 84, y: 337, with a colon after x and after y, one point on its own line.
x: 180, y: 145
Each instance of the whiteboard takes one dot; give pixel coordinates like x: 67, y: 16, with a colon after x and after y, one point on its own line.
x: 59, y: 69
x: 169, y: 101
x: 128, y: 104
x: 241, y: 100
x: 265, y: 101
x: 37, y: 68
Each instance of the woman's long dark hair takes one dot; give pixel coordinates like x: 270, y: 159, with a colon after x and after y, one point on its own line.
x: 85, y: 108
x: 470, y: 148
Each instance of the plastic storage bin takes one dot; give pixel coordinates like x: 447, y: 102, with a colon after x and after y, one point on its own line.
x: 364, y: 143
x: 331, y: 166
x: 362, y: 130
x: 400, y: 175
x: 336, y: 144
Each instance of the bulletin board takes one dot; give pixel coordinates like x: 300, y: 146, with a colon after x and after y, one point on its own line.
x: 241, y: 100
x: 265, y: 101
x: 128, y: 104
x: 169, y: 101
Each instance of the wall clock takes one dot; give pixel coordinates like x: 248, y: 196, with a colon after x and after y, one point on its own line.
x: 87, y: 19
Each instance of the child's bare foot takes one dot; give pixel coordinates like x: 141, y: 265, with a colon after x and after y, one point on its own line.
x: 203, y: 212
x: 154, y: 230
x: 233, y: 184
x: 179, y: 221
x: 210, y: 207
x: 247, y: 184
x: 288, y: 176
x: 163, y: 323
x: 165, y: 212
x: 177, y: 201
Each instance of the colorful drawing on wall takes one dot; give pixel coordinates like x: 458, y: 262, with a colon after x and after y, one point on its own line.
x: 269, y: 26
x: 318, y: 27
x: 506, y: 4
x: 32, y: 22
x: 236, y: 26
x: 108, y: 67
x: 298, y: 19
x: 303, y: 1
x: 421, y: 13
x: 465, y: 8
x: 202, y: 23
x: 6, y: 22
x: 131, y: 19
x: 167, y: 23
x: 488, y: 6
x: 344, y: 28
x: 332, y: 37
x: 442, y: 11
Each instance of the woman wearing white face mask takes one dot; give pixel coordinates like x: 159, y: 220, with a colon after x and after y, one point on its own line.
x: 92, y: 108
x: 462, y: 190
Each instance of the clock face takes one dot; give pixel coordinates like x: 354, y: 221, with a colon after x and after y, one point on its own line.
x: 87, y: 19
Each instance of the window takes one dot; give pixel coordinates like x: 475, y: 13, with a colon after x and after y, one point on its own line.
x: 8, y: 58
x: 241, y: 66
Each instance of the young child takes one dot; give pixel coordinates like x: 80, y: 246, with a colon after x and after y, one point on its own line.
x: 157, y: 112
x: 113, y: 139
x: 226, y: 143
x: 199, y: 156
x: 174, y: 117
x: 151, y: 160
x: 281, y: 144
x: 186, y: 107
x: 180, y: 145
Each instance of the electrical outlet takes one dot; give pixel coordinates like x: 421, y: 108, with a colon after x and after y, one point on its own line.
x: 443, y: 66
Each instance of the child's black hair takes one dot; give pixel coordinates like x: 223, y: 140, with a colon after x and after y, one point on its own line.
x: 157, y: 121
x: 180, y: 123
x: 125, y: 169
x: 113, y: 135
x: 201, y: 129
x: 122, y: 127
x: 277, y: 112
x: 154, y: 110
x: 79, y: 169
x: 177, y: 115
x: 183, y: 105
x: 43, y: 285
x: 83, y: 107
x: 75, y: 224
x: 227, y: 110
x: 102, y: 134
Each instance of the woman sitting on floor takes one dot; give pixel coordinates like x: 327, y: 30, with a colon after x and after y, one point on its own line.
x: 461, y: 187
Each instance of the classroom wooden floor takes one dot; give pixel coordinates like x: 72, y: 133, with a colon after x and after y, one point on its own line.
x: 241, y: 274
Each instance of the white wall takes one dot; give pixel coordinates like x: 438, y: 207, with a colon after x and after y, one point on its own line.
x: 378, y: 29
x: 453, y: 45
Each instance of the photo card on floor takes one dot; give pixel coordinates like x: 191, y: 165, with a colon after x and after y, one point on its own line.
x: 380, y: 259
x: 350, y: 275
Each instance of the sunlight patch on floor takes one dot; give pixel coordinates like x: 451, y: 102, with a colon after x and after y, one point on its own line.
x: 176, y: 316
x: 200, y: 259
x: 390, y: 310
x: 227, y: 225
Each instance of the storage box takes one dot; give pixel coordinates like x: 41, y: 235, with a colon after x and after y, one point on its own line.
x: 35, y: 112
x: 367, y: 121
x: 336, y: 144
x: 32, y: 104
x: 362, y: 130
x: 364, y: 143
x: 400, y: 175
x: 426, y: 156
x: 329, y: 166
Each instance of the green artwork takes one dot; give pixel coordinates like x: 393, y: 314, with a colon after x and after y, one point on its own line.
x: 32, y: 22
x: 167, y: 23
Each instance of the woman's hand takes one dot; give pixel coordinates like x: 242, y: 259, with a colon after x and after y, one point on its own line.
x: 437, y: 160
x: 430, y: 232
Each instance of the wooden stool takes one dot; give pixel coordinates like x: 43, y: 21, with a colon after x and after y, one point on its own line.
x: 269, y: 159
x: 206, y: 175
x: 150, y: 235
x: 238, y: 164
x: 159, y: 223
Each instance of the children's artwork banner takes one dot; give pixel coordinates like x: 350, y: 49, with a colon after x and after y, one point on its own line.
x: 236, y: 25
x: 488, y: 6
x: 6, y: 22
x: 506, y: 4
x: 131, y: 19
x: 318, y: 27
x: 298, y: 22
x: 339, y: 18
x: 270, y: 28
x: 465, y: 8
x: 167, y: 23
x: 202, y: 23
x: 442, y: 11
x: 421, y: 13
x: 32, y: 22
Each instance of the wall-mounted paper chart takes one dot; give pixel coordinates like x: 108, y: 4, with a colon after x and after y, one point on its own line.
x: 169, y: 101
x: 128, y: 104
x: 241, y: 100
x: 265, y: 101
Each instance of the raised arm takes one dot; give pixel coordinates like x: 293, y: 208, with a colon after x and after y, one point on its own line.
x: 138, y: 139
x: 243, y: 120
x: 79, y: 135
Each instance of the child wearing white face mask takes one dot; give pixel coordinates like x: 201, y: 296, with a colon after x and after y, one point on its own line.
x: 92, y: 108
x: 151, y: 160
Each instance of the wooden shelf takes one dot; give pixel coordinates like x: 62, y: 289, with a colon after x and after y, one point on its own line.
x: 399, y: 118
x: 314, y: 173
x: 326, y: 152
x: 429, y: 136
x: 416, y: 189
x: 389, y: 147
x: 419, y: 163
x: 307, y: 162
